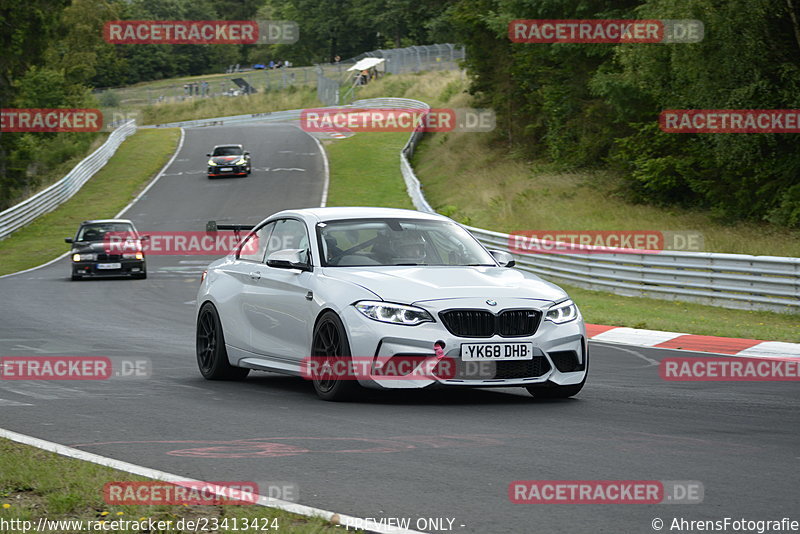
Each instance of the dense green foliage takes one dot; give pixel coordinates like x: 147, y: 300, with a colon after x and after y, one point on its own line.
x: 30, y: 78
x: 54, y: 54
x: 589, y: 105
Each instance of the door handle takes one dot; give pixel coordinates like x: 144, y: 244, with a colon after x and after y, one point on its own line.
x: 255, y: 275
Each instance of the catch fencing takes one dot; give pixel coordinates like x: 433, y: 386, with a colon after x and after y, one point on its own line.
x: 338, y: 86
x: 334, y: 83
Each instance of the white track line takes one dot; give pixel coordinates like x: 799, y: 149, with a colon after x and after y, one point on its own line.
x: 619, y: 346
x: 299, y: 509
x: 118, y: 215
x: 35, y: 268
x: 159, y: 175
x: 325, y: 186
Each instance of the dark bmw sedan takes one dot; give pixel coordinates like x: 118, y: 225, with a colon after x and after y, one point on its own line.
x: 107, y: 248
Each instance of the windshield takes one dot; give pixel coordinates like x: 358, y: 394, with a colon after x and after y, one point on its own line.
x: 97, y: 231
x: 363, y: 242
x: 227, y: 151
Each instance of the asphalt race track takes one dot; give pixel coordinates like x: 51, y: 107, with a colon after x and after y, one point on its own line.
x: 400, y: 454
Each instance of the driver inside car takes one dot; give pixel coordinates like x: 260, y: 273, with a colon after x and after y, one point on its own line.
x: 409, y: 248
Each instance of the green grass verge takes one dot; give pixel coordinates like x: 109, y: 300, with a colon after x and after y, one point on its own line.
x: 636, y: 312
x: 39, y: 484
x: 469, y: 178
x: 473, y: 179
x: 365, y: 171
x: 135, y: 163
x: 204, y: 108
x: 372, y: 159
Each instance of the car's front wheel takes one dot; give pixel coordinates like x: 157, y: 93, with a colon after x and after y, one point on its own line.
x: 329, y: 350
x: 212, y: 358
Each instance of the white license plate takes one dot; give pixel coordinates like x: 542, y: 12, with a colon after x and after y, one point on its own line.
x: 487, y: 352
x: 109, y: 266
x: 226, y: 169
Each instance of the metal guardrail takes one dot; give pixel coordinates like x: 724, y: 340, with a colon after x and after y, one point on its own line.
x: 738, y: 281
x: 726, y: 280
x: 50, y: 198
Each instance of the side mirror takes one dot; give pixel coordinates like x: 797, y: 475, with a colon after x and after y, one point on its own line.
x: 68, y: 240
x: 208, y: 155
x: 503, y: 258
x: 247, y: 153
x: 290, y: 258
x: 144, y: 238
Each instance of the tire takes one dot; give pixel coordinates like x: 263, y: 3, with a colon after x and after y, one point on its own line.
x: 140, y: 276
x: 330, y: 341
x: 76, y: 277
x: 212, y: 358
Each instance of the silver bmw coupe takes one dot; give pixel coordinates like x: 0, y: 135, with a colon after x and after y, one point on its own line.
x: 384, y: 298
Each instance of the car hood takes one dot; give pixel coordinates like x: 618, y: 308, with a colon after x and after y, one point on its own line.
x: 101, y: 247
x: 86, y: 246
x: 222, y: 160
x: 408, y: 284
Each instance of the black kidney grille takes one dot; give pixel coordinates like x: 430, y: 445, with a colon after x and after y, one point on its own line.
x: 515, y: 323
x: 482, y: 323
x: 469, y: 323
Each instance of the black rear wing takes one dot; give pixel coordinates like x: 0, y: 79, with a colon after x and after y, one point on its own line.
x: 212, y: 226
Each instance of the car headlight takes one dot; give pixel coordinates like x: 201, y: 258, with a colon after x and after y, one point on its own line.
x: 84, y: 257
x: 211, y: 163
x: 562, y: 313
x: 133, y: 256
x: 387, y: 312
x: 241, y: 162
